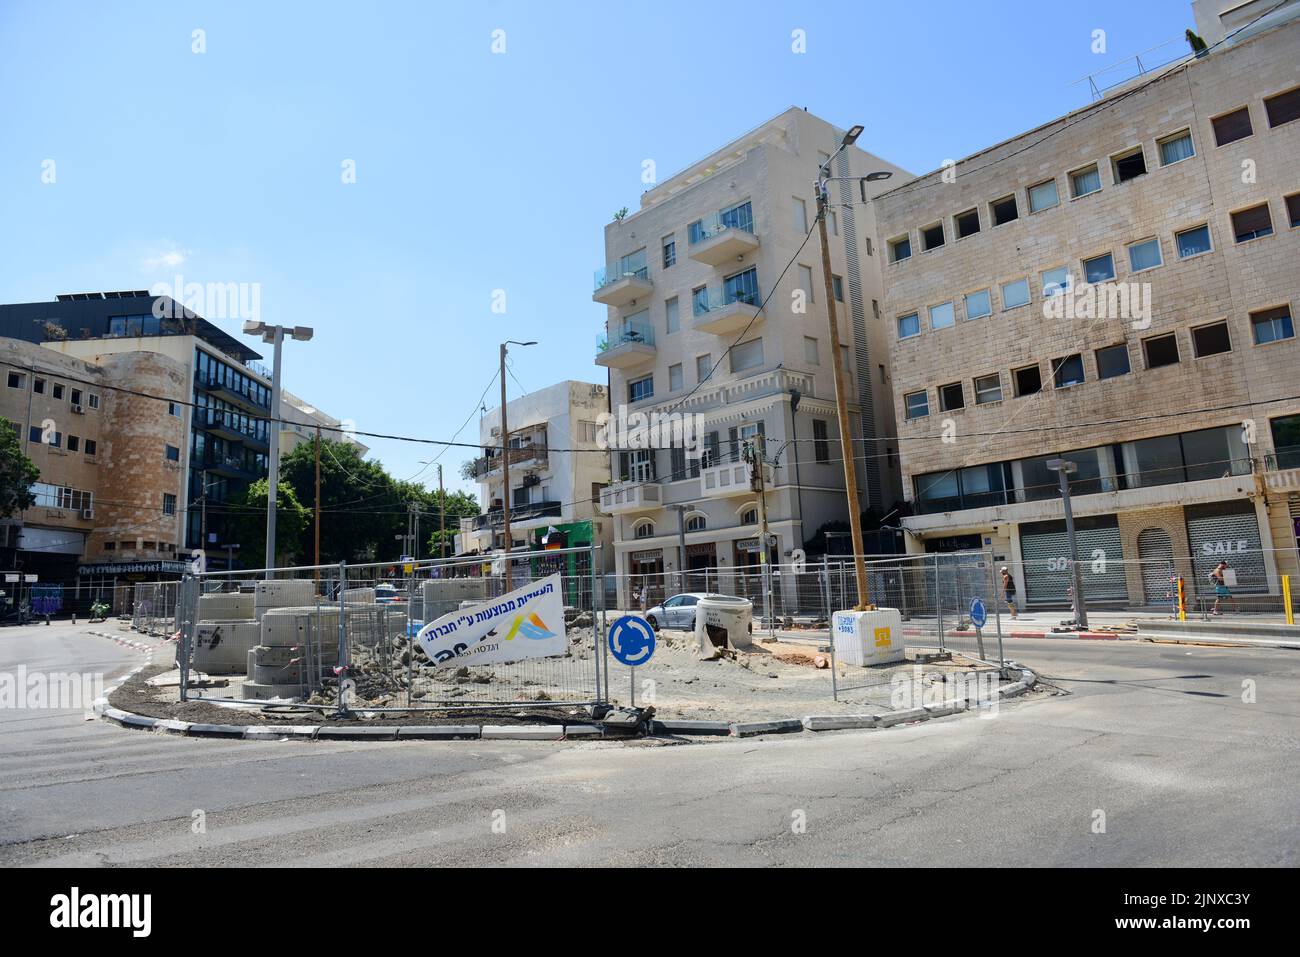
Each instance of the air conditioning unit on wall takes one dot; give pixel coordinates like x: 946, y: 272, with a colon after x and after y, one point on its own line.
x: 88, y: 513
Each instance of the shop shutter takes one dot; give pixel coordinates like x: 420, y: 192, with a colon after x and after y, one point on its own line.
x: 1156, y: 552
x: 1226, y: 535
x: 1047, y: 574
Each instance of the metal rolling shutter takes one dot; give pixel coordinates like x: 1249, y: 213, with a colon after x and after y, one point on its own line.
x: 1231, y: 533
x: 1047, y: 577
x: 1156, y: 551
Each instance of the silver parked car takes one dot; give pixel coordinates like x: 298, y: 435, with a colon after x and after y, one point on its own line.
x: 678, y: 611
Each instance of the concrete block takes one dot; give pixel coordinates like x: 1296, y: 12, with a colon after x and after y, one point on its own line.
x: 333, y: 733
x: 438, y: 732
x: 524, y: 732
x: 712, y: 728
x: 838, y: 722
x: 173, y: 725
x: 751, y: 728
x: 868, y: 637
x: 583, y: 731
x: 891, y: 718
x: 216, y: 731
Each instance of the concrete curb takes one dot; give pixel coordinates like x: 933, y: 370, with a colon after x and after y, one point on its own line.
x: 434, y: 732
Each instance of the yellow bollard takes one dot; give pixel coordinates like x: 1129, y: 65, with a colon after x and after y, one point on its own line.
x: 1182, y: 600
x: 1286, y: 599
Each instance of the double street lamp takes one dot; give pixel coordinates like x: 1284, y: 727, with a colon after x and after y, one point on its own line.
x: 841, y: 401
x: 274, y: 335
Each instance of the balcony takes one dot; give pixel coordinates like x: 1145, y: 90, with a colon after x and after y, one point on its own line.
x: 729, y: 478
x: 528, y: 456
x: 231, y: 466
x: 626, y: 344
x: 224, y: 425
x: 623, y: 284
x: 723, y: 237
x: 727, y: 314
x: 625, y: 497
x: 519, y: 514
x: 217, y: 388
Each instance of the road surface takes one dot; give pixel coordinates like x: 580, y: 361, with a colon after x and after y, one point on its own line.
x: 1150, y: 757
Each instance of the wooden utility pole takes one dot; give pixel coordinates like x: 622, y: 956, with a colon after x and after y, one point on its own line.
x: 317, y: 523
x: 842, y: 408
x: 757, y: 462
x: 505, y: 472
x: 442, y: 517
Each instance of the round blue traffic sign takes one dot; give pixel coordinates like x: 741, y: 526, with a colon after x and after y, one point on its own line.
x: 631, y: 640
x: 978, y: 614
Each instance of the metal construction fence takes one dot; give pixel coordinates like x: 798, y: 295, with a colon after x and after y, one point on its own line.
x: 345, y: 635
x: 154, y: 608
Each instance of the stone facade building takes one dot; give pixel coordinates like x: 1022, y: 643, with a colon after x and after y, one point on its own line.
x: 1117, y: 287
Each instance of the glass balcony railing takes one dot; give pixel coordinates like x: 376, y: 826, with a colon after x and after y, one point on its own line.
x: 705, y: 302
x: 741, y: 217
x: 624, y: 333
x: 1286, y: 457
x: 627, y: 269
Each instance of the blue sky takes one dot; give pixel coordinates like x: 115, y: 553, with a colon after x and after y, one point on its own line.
x: 475, y: 171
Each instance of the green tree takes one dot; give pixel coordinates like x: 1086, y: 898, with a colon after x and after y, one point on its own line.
x: 459, y: 505
x: 17, y: 474
x: 247, y: 524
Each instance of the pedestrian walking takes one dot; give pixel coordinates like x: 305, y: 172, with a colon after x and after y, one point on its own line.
x: 641, y: 597
x: 1009, y: 590
x: 1221, y: 589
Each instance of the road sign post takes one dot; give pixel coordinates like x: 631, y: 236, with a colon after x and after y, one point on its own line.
x: 978, y: 616
x: 631, y: 641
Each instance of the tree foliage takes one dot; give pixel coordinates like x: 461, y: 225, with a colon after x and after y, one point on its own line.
x: 17, y: 475
x: 247, y: 525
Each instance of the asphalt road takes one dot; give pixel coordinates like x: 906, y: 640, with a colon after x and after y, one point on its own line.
x: 1157, y: 738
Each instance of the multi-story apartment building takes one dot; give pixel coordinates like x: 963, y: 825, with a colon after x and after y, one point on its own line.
x: 548, y: 489
x: 208, y: 428
x: 1179, y: 402
x: 685, y: 276
x: 300, y: 419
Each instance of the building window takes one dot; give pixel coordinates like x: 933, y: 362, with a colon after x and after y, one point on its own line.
x: 1271, y: 325
x: 703, y: 367
x: 951, y: 397
x: 58, y: 391
x: 1176, y: 148
x: 988, y: 389
x: 74, y: 443
x: 800, y: 216
x: 1003, y: 210
x: 75, y: 397
x: 1099, y: 268
x: 931, y: 237
x: 806, y: 282
x: 909, y: 325
x: 1015, y: 293
x: 746, y: 355
x: 169, y: 503
x: 1028, y: 380
x: 93, y: 400
x: 1283, y: 108
x: 17, y: 380
x: 837, y: 287
x: 91, y: 447
x: 875, y: 303
x: 644, y: 530
x: 749, y: 517
x: 900, y: 249
x: 916, y: 404
x: 833, y: 224
x: 110, y: 546
x: 977, y: 304
x: 1067, y: 371
x: 173, y: 408
x: 670, y: 251
x: 1112, y: 361
x: 696, y: 523
x: 1232, y: 126
x: 1211, y: 340
x: 1193, y: 242
x: 1055, y: 281
x: 967, y: 223
x: 173, y: 453
x: 821, y: 446
x: 672, y: 315
x: 641, y: 389
x: 1145, y: 255
x: 1293, y: 209
x: 1161, y: 351
x: 1130, y: 165
x: 941, y: 316
x: 1085, y: 181
x: 38, y: 385
x: 1043, y: 196
x: 810, y: 351
x: 675, y: 381
x: 1253, y: 223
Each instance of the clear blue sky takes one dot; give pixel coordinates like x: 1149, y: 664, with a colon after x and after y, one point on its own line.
x: 475, y: 171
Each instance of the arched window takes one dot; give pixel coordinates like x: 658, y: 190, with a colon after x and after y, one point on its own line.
x: 696, y: 523
x: 749, y: 517
x: 644, y: 530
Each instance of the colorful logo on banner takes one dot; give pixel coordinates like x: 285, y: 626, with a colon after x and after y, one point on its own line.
x: 486, y: 633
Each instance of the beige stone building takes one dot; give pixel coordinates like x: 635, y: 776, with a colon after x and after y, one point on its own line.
x: 1117, y: 287
x: 683, y: 279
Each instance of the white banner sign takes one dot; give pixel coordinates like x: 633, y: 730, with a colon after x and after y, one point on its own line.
x: 527, y: 623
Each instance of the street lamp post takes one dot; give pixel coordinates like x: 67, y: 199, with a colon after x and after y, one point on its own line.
x: 274, y: 335
x: 1063, y: 469
x: 841, y: 401
x: 505, y: 460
